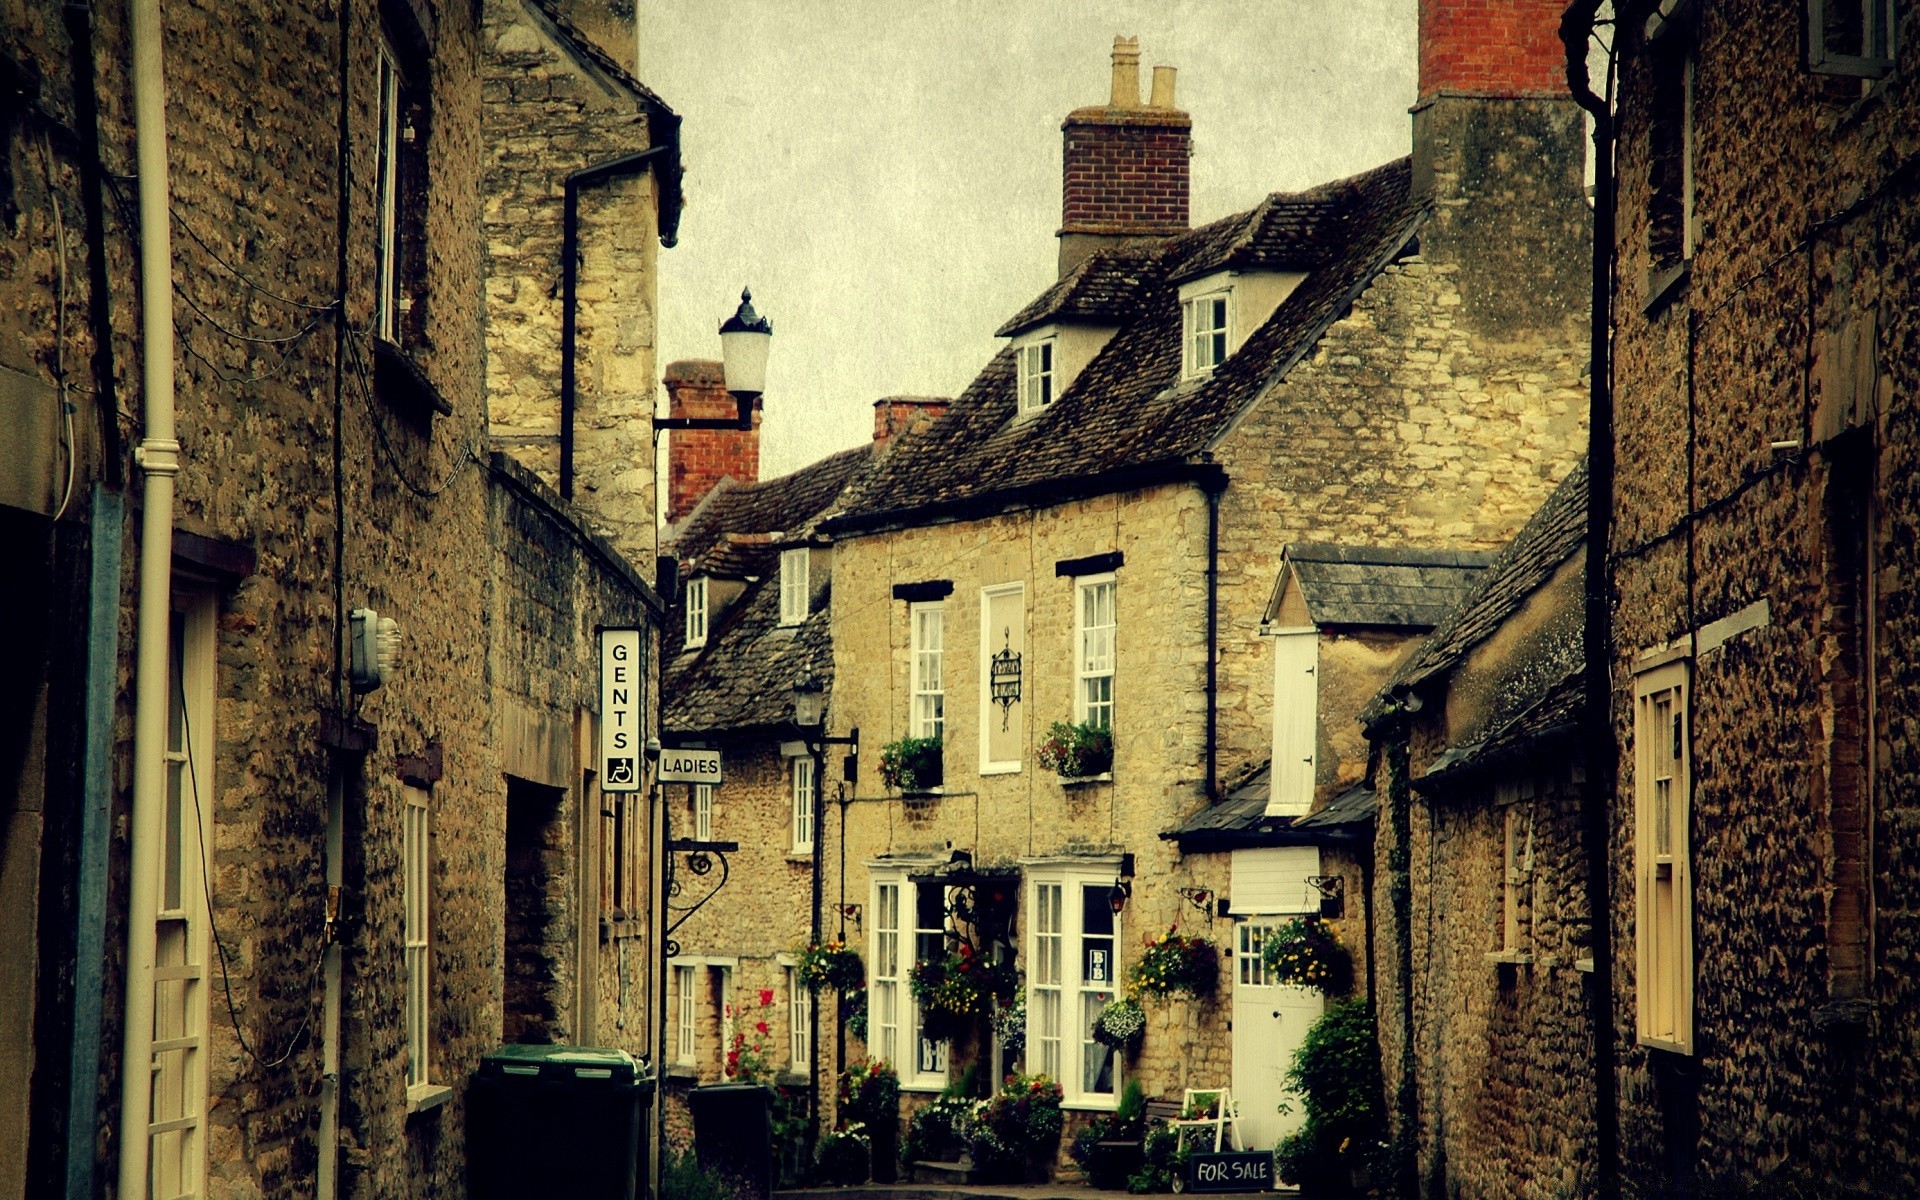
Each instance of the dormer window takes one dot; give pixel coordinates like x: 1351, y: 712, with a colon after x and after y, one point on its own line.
x: 794, y: 587
x: 696, y: 612
x: 1203, y: 319
x: 1035, y: 362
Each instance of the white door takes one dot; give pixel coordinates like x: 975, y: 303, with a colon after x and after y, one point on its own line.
x: 1269, y: 1023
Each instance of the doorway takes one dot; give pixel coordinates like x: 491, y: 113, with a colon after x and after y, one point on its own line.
x: 1270, y: 1021
x: 538, y: 949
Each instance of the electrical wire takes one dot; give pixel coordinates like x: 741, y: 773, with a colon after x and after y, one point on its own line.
x: 60, y: 326
x: 463, y: 457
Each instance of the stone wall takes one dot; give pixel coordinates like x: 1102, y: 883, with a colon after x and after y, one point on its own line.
x: 1794, y: 321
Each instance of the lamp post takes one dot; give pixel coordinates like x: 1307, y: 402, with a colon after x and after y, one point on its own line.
x: 745, y: 338
x: 809, y: 717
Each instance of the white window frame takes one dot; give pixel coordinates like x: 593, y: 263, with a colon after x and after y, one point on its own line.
x: 177, y: 1119
x: 1663, y: 874
x: 703, y: 812
x: 1093, y: 663
x: 696, y: 612
x: 1293, y: 778
x: 1037, y: 365
x: 1879, y: 37
x: 1205, y: 322
x: 794, y: 584
x: 1058, y: 993
x: 799, y: 1021
x: 991, y: 643
x: 926, y: 622
x: 417, y: 936
x: 803, y: 794
x: 386, y: 299
x: 893, y: 1018
x: 1514, y: 801
x: 686, y: 1043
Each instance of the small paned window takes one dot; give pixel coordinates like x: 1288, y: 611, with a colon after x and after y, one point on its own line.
x: 696, y: 612
x: 1093, y: 658
x: 1204, y: 320
x: 803, y: 790
x: 416, y: 886
x: 703, y: 812
x: 1035, y: 363
x: 799, y: 1022
x: 1516, y: 866
x: 1672, y: 230
x: 1074, y: 969
x: 1850, y: 37
x: 793, y: 585
x: 1663, y: 899
x: 400, y: 177
x: 929, y: 687
x: 687, y: 1014
x: 886, y: 984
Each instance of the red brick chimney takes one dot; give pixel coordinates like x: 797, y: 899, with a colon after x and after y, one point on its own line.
x: 1125, y: 165
x: 697, y: 459
x: 895, y: 415
x: 1492, y: 48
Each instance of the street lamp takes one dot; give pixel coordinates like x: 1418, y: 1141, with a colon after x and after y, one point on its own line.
x: 745, y: 338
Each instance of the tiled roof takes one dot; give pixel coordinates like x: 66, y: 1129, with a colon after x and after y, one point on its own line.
x: 1128, y: 414
x: 735, y: 529
x: 1553, y: 717
x: 1241, y: 819
x: 1101, y: 290
x: 1552, y: 536
x: 1381, y: 585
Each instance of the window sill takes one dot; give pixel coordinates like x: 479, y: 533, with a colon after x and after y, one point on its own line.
x: 801, y: 856
x: 1663, y: 285
x: 1001, y: 769
x: 912, y: 795
x: 1071, y: 782
x: 1509, y: 958
x: 683, y: 1071
x: 619, y: 927
x: 793, y: 1079
x: 926, y: 1085
x: 401, y: 380
x: 1091, y: 1104
x: 425, y: 1097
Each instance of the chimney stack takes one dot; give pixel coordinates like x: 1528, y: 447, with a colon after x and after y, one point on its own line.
x: 697, y: 459
x: 1125, y: 165
x: 895, y: 415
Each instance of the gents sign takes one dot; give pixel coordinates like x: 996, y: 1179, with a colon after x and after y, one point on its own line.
x: 620, y: 717
x: 1230, y: 1171
x: 689, y: 766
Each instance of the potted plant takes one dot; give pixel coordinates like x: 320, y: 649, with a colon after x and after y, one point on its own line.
x: 1017, y: 1131
x: 830, y: 965
x: 1176, y: 964
x: 1109, y: 1148
x: 912, y: 764
x: 1337, y: 1073
x: 870, y: 1096
x: 1306, y: 952
x: 1077, y: 751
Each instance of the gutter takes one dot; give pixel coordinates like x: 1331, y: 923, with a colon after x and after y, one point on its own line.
x: 158, y: 458
x: 667, y: 144
x: 1043, y: 494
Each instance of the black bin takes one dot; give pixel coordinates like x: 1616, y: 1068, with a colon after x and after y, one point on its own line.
x: 557, y: 1121
x: 733, y: 1134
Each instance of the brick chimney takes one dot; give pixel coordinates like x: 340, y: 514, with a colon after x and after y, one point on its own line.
x: 697, y: 459
x: 1499, y: 144
x: 895, y: 415
x: 1124, y: 164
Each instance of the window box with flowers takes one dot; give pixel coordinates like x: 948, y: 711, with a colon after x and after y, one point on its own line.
x: 956, y: 991
x: 1306, y: 952
x: 831, y: 966
x: 1079, y: 753
x: 1176, y: 964
x: 913, y: 766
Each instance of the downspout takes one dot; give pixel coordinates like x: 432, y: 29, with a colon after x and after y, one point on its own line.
x: 158, y: 457
x: 819, y: 889
x: 1576, y: 31
x: 1213, y: 486
x: 627, y: 164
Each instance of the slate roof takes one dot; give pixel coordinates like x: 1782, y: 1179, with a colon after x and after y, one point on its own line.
x: 1381, y: 585
x: 1128, y: 419
x: 1241, y: 819
x: 742, y: 679
x: 1552, y: 536
x: 1554, y: 717
x: 1101, y: 290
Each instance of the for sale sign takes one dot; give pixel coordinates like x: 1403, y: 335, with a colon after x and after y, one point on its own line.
x: 1230, y: 1171
x: 621, y: 717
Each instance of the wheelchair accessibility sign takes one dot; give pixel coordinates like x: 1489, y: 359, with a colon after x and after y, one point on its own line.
x: 620, y: 710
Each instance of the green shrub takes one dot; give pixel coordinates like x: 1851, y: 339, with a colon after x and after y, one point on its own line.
x: 1337, y: 1072
x: 1164, y: 1162
x: 1020, y: 1124
x: 685, y: 1179
x: 843, y: 1159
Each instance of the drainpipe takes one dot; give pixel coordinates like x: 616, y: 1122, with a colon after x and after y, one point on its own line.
x: 627, y: 164
x: 1576, y: 30
x: 158, y: 457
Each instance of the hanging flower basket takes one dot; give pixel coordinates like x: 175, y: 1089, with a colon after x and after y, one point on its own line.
x: 955, y: 991
x: 832, y: 965
x: 1077, y: 751
x: 912, y: 764
x: 1120, y: 1024
x: 1306, y: 952
x: 1010, y: 1026
x: 1176, y: 964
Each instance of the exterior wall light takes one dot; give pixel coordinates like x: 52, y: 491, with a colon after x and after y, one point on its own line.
x: 1117, y: 898
x: 745, y: 338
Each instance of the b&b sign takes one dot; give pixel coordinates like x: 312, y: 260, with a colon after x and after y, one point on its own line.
x: 1230, y: 1171
x: 620, y: 716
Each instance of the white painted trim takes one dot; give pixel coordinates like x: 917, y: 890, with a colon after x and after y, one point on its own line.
x: 1715, y: 634
x: 989, y: 711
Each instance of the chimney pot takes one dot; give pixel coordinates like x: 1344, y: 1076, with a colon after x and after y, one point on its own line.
x: 1126, y: 73
x: 1162, y: 88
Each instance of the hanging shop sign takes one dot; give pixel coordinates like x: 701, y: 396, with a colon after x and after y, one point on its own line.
x: 690, y: 766
x: 621, y: 717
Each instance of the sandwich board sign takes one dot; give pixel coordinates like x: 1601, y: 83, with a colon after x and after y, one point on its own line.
x: 621, y: 719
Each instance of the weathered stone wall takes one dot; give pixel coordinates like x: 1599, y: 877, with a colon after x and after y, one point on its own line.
x: 550, y: 111
x: 1807, y: 214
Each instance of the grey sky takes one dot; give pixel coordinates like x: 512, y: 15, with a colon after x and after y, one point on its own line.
x: 886, y: 177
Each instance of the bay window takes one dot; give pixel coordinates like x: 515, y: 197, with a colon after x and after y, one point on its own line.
x: 1073, y: 971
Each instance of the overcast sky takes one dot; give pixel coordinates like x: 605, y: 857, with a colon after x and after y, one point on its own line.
x: 886, y: 176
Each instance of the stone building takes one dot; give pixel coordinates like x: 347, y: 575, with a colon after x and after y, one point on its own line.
x: 1767, y: 359
x: 1484, y: 950
x: 1391, y: 359
x: 301, y: 866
